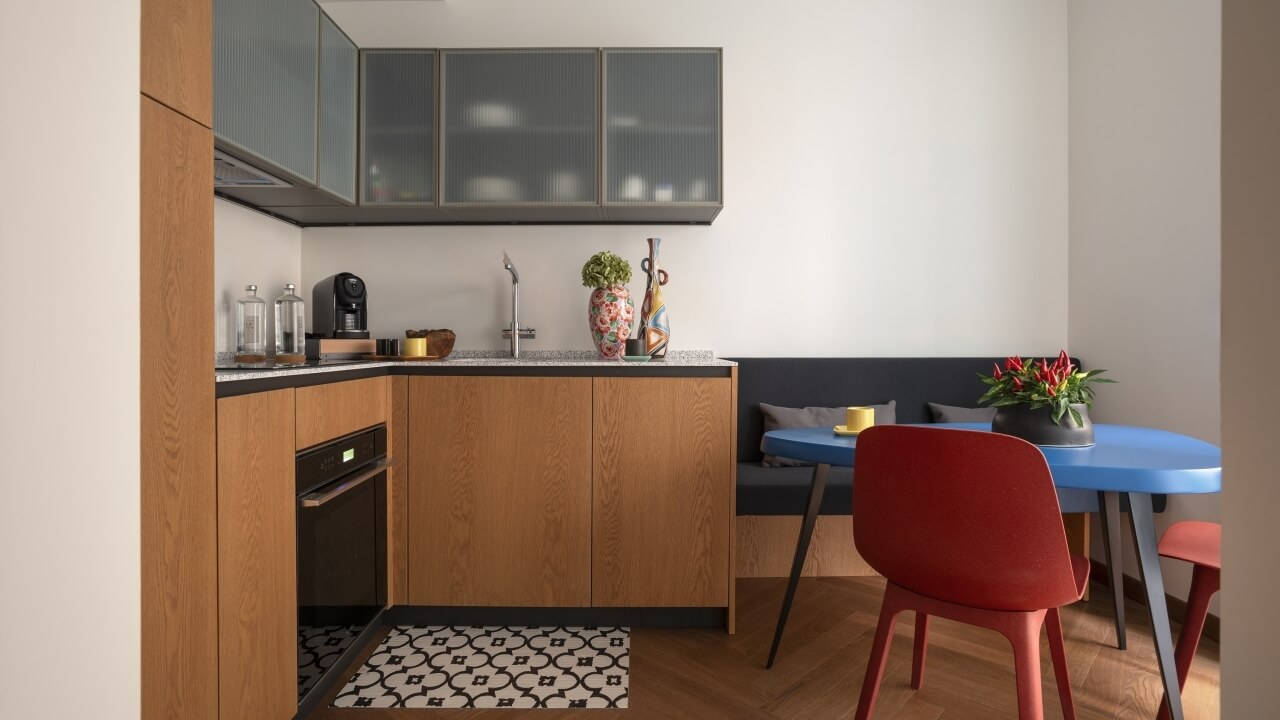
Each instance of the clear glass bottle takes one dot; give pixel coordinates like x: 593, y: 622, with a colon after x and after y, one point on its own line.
x: 251, y: 327
x: 291, y: 328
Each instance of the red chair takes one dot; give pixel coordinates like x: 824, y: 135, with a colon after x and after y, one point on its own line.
x: 1199, y: 543
x: 965, y: 525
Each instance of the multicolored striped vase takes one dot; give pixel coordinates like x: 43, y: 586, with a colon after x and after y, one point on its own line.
x: 657, y: 327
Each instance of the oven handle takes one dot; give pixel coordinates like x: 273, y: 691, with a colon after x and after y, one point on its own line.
x: 317, y: 499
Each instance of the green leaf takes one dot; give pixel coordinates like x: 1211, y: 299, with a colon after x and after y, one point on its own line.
x: 1075, y: 415
x: 1059, y: 408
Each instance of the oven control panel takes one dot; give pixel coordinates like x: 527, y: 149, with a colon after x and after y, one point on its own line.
x: 319, y: 465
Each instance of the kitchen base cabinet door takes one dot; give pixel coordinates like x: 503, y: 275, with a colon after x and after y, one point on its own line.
x: 500, y: 491
x: 662, y: 485
x: 257, y: 561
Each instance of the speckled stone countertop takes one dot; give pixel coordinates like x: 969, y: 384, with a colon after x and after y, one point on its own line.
x: 227, y: 371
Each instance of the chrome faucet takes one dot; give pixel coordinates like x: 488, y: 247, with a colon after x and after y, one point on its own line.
x: 515, y: 332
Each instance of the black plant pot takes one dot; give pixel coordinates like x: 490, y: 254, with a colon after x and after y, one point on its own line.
x: 1037, y: 426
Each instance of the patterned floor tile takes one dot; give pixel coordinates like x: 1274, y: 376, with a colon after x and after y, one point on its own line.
x: 484, y: 667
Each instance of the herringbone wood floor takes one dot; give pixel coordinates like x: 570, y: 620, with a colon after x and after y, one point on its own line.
x: 969, y: 676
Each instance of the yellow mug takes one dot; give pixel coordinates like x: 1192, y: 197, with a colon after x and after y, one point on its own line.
x: 857, y: 419
x: 413, y: 347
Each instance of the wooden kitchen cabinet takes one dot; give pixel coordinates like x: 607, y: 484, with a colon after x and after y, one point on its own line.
x: 177, y: 56
x: 330, y: 411
x: 257, y: 565
x: 662, y: 491
x: 499, y: 496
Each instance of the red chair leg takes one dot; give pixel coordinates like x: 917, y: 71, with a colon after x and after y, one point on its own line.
x: 889, y: 609
x: 1205, y: 581
x: 1024, y: 634
x: 921, y: 645
x: 1053, y: 622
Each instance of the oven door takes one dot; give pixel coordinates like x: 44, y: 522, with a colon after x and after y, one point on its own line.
x: 342, y: 567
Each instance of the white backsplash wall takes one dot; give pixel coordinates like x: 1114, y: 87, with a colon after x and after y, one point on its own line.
x: 895, y: 183
x: 251, y: 248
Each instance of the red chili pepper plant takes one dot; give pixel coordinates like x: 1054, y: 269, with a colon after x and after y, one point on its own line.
x: 1040, y: 384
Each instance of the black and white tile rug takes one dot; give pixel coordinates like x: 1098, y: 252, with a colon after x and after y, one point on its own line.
x: 318, y: 648
x: 484, y: 667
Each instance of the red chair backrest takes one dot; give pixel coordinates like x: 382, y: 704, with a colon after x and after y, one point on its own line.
x: 963, y: 516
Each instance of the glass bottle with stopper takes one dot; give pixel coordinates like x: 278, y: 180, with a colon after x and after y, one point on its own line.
x: 291, y: 319
x: 251, y: 327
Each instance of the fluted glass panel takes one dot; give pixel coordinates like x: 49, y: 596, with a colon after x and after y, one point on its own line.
x: 264, y: 80
x: 339, y: 73
x: 520, y: 126
x: 662, y: 126
x: 398, y: 129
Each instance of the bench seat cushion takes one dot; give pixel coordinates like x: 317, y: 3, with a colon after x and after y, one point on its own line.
x: 785, y: 490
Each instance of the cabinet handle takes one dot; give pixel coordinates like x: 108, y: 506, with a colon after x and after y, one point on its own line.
x: 313, y: 500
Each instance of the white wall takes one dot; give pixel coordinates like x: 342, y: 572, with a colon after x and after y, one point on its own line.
x: 69, y: 520
x: 895, y: 183
x: 1250, y: 337
x: 1145, y: 239
x: 251, y: 248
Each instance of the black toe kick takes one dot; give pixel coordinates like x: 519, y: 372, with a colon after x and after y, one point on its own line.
x: 559, y: 617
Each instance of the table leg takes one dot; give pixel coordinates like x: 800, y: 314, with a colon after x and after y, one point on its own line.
x: 1109, y: 511
x: 1143, y: 524
x: 817, y: 485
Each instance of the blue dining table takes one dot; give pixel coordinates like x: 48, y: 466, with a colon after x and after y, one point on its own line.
x: 1125, y: 462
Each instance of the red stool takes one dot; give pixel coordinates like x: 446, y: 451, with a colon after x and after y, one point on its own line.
x: 1199, y: 543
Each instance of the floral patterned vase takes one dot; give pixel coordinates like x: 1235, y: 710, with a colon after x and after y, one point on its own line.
x: 609, y: 315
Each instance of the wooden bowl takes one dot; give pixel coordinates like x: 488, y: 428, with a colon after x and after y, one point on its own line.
x: 440, y: 342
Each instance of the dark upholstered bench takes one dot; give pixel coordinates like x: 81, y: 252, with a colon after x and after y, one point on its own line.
x: 828, y: 382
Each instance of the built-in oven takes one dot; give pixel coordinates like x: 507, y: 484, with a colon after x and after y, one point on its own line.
x: 342, y: 557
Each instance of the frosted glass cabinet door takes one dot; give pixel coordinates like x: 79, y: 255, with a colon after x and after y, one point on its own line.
x: 339, y: 73
x: 519, y: 127
x: 398, y: 128
x: 265, y: 62
x: 662, y: 126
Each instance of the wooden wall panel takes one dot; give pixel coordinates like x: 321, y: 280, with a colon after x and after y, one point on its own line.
x: 767, y: 543
x: 177, y: 57
x: 661, y: 492
x: 330, y: 411
x: 732, y: 621
x: 397, y: 490
x: 1077, y: 527
x: 257, y: 557
x: 500, y: 491
x: 177, y: 484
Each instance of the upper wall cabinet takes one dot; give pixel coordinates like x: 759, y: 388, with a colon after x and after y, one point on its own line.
x: 519, y: 131
x: 339, y: 78
x: 662, y: 134
x: 265, y: 70
x: 284, y: 106
x: 554, y: 136
x: 398, y: 135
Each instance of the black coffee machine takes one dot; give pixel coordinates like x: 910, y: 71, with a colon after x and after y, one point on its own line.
x: 340, y: 308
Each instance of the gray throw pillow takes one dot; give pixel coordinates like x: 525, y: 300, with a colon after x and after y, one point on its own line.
x: 777, y: 417
x: 951, y: 413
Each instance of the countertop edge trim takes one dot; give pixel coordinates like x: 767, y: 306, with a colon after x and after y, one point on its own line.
x: 247, y: 386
